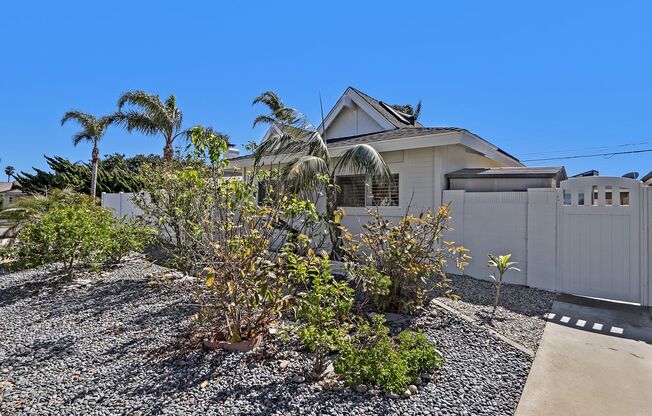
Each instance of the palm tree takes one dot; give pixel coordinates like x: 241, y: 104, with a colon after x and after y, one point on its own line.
x: 279, y: 113
x: 93, y: 130
x: 306, y: 152
x: 10, y: 171
x: 415, y: 111
x: 152, y: 117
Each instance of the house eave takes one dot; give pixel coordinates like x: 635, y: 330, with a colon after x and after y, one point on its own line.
x: 463, y: 138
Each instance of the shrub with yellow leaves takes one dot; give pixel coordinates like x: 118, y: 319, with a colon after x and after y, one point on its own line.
x: 395, y: 263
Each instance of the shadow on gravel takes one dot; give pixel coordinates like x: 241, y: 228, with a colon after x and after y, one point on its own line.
x: 52, y: 281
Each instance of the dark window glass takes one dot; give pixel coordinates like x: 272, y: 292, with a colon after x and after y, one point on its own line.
x: 351, y: 191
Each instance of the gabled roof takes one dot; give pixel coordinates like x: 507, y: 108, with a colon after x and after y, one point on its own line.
x: 396, y: 118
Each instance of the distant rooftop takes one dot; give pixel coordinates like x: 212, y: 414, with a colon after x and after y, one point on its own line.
x: 509, y: 172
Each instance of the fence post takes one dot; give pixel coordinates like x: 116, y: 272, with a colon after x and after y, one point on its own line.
x: 646, y: 245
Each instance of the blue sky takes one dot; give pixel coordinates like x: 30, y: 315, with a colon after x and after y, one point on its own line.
x: 564, y: 77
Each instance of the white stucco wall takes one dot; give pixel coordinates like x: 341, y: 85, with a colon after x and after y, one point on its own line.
x: 422, y: 178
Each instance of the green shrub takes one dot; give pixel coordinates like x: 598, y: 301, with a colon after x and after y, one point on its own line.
x: 323, y: 310
x: 374, y: 358
x: 124, y: 236
x: 418, y: 352
x: 72, y: 230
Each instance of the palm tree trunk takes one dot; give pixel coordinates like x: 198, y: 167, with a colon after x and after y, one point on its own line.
x: 334, y: 231
x: 95, y: 163
x: 168, y: 150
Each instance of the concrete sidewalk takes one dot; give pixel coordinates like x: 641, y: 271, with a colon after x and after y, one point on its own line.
x: 595, y: 358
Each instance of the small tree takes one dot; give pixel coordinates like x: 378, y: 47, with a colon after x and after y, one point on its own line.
x: 217, y: 226
x: 502, y: 266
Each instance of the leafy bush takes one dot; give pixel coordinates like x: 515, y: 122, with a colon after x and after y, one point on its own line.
x: 323, y: 310
x: 395, y: 263
x: 71, y: 229
x: 418, y: 352
x: 211, y: 224
x: 374, y: 358
x: 124, y: 236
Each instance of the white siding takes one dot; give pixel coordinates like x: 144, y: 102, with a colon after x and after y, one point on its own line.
x: 352, y: 121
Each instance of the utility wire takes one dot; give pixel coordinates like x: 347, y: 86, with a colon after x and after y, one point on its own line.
x: 607, y: 155
x: 586, y: 148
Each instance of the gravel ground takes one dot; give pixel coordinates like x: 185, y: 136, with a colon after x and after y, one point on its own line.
x: 120, y: 344
x: 520, y: 315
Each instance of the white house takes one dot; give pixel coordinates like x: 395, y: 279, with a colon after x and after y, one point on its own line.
x: 419, y: 157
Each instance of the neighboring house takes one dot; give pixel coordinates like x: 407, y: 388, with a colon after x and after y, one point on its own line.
x: 419, y: 157
x: 647, y: 179
x: 9, y: 192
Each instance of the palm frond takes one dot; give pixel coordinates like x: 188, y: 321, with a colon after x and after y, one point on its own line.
x: 134, y: 121
x: 363, y: 159
x: 149, y: 102
x: 270, y: 99
x: 305, y: 171
x: 84, y: 119
x: 280, y: 144
x: 82, y: 136
x: 417, y: 111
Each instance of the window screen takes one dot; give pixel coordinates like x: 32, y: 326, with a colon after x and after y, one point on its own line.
x: 384, y: 192
x: 351, y: 191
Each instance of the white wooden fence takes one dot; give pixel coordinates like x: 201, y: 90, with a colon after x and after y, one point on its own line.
x: 591, y: 237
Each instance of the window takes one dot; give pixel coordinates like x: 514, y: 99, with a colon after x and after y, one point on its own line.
x: 608, y: 196
x: 567, y: 197
x: 580, y: 198
x: 351, y: 191
x: 594, y: 195
x: 624, y: 196
x: 384, y: 192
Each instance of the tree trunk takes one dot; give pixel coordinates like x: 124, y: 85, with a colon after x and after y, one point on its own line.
x: 95, y: 160
x: 334, y: 231
x: 497, y: 300
x: 168, y: 150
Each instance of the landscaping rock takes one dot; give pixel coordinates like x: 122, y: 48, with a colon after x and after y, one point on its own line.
x: 520, y: 315
x: 413, y: 389
x: 361, y: 388
x: 298, y: 378
x: 284, y: 364
x: 406, y: 394
x: 122, y: 346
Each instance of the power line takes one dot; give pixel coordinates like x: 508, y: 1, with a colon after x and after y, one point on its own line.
x: 587, y: 148
x: 586, y: 156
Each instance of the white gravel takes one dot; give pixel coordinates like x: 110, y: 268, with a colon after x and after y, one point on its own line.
x: 120, y: 345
